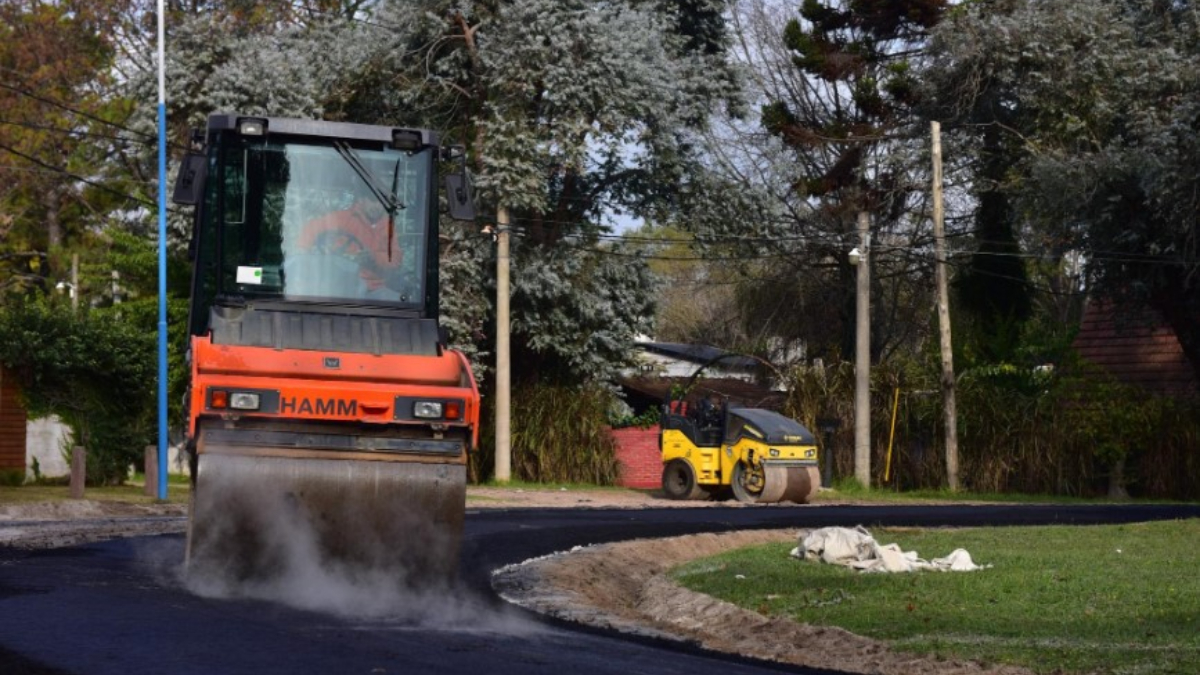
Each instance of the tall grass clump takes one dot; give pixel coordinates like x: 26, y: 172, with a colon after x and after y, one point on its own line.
x: 559, y: 435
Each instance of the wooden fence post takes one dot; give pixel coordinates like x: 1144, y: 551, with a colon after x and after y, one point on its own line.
x: 78, y: 471
x: 151, y: 468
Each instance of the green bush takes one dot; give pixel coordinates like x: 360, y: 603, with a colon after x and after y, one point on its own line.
x: 626, y: 419
x: 559, y: 435
x: 95, y: 369
x: 1070, y: 431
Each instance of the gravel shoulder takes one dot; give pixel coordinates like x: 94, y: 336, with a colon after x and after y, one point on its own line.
x: 75, y: 522
x: 623, y: 586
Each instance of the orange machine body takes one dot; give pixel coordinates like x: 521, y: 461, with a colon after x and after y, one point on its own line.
x: 325, y: 386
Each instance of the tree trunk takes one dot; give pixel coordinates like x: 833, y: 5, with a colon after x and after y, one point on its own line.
x: 1116, y: 480
x: 54, y: 231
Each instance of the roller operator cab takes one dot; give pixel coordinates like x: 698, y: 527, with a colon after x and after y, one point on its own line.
x: 324, y: 408
x: 759, y: 455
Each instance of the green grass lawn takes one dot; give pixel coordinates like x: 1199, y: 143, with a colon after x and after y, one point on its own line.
x: 527, y: 485
x: 132, y: 492
x: 1105, y: 599
x: 849, y: 489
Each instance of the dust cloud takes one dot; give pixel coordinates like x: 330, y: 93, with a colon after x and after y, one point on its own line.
x: 365, y: 597
x: 361, y: 545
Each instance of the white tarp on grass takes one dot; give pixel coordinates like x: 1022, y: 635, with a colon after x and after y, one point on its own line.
x: 856, y: 548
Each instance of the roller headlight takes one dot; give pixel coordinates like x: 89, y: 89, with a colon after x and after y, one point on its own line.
x: 240, y: 400
x: 428, y: 410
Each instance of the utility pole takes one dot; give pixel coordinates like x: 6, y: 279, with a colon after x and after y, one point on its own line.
x: 943, y: 309
x: 503, y: 365
x: 862, y: 355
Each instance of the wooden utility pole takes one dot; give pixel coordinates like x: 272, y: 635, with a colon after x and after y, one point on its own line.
x: 943, y: 309
x: 862, y: 355
x: 75, y: 282
x: 503, y: 365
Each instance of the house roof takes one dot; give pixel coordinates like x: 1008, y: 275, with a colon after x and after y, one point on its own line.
x: 700, y: 354
x: 1136, y: 347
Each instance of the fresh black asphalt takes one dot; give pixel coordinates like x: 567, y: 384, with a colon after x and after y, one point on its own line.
x: 117, y: 607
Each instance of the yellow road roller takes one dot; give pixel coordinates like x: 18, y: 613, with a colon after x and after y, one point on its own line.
x: 759, y: 455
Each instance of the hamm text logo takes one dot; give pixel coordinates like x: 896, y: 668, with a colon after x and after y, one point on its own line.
x: 320, y: 406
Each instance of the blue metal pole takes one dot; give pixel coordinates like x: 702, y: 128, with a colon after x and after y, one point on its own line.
x: 162, y: 260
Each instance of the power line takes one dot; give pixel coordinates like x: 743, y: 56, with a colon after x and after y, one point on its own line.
x: 756, y: 278
x: 759, y: 278
x: 69, y: 132
x: 63, y: 106
x: 81, y: 179
x: 1008, y: 277
x: 834, y: 241
x: 717, y: 240
x: 57, y: 172
x: 1105, y: 256
x: 1117, y: 257
x: 316, y: 11
x: 30, y: 169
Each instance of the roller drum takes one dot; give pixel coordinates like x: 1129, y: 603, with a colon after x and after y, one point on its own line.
x: 789, y: 483
x: 253, y: 515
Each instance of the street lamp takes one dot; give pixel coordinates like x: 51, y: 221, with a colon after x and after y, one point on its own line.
x: 70, y: 288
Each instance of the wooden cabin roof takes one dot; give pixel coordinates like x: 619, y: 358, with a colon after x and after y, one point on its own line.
x: 1136, y: 347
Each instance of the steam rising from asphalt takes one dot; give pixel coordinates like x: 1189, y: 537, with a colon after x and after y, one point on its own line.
x: 307, y: 581
x: 292, y: 564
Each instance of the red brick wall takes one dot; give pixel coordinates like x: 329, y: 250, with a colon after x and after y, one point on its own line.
x: 639, y: 457
x: 12, y: 426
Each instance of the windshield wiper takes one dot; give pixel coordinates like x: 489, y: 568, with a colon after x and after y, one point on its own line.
x: 389, y: 201
x: 392, y: 214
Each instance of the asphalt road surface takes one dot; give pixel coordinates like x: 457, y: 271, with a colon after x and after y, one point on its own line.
x: 120, y: 607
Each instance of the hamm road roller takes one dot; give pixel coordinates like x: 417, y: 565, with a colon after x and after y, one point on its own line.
x: 759, y: 454
x: 325, y: 413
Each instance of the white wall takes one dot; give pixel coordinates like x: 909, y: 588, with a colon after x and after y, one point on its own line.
x: 45, y: 439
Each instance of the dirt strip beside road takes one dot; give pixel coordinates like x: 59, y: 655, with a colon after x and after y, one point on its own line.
x: 626, y: 586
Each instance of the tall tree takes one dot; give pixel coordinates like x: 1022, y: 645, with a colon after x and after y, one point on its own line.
x: 1106, y: 94
x: 568, y: 110
x: 569, y: 92
x: 834, y: 91
x: 993, y: 289
x: 56, y: 110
